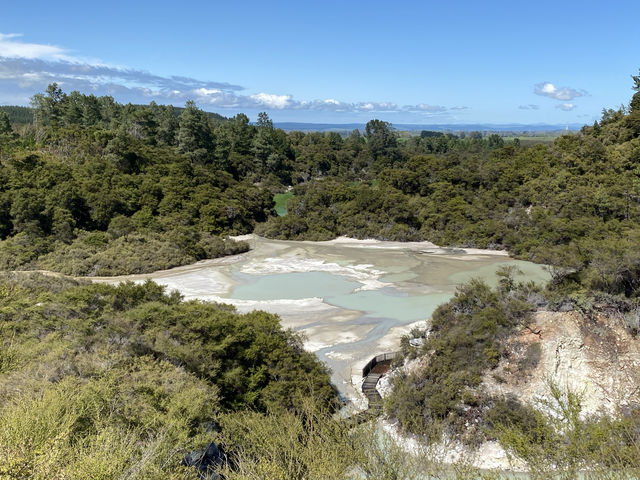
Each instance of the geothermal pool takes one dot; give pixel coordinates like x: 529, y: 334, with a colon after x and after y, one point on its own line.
x: 351, y: 299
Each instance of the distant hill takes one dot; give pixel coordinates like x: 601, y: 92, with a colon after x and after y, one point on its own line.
x: 211, y: 115
x: 18, y: 114
x: 471, y: 127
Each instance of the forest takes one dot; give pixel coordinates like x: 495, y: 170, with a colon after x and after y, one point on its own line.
x: 100, y: 381
x: 91, y: 183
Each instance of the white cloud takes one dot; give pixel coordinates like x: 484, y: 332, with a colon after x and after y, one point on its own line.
x: 27, y: 68
x: 529, y: 107
x: 374, y: 107
x: 548, y: 89
x: 567, y: 107
x: 270, y: 100
x: 12, y: 48
x: 205, y: 91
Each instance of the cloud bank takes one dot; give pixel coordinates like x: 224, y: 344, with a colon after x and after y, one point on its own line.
x: 27, y: 68
x: 548, y: 89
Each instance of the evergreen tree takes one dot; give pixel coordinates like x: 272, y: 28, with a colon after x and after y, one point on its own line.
x: 49, y: 108
x: 5, y: 125
x: 262, y: 145
x: 167, y: 126
x: 90, y: 110
x: 381, y: 141
x: 72, y: 108
x: 194, y: 133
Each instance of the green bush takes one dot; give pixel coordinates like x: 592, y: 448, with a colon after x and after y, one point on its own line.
x: 464, y: 342
x: 100, y: 381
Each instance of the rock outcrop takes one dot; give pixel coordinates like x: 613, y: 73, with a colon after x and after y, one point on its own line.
x: 595, y: 357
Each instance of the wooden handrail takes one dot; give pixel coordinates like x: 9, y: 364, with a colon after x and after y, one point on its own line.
x: 383, y: 357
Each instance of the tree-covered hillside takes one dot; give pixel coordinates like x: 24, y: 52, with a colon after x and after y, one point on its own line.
x: 574, y: 204
x: 93, y: 182
x: 98, y: 188
x: 100, y: 381
x: 18, y: 115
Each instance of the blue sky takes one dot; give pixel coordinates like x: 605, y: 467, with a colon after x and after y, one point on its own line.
x: 340, y: 62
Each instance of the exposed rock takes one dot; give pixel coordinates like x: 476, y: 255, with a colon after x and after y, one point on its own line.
x: 597, y: 358
x: 206, y: 461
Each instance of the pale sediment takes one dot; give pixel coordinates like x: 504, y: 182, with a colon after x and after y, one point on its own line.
x: 346, y: 336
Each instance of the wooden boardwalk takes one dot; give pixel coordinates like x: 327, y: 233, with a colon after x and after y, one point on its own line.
x: 372, y: 372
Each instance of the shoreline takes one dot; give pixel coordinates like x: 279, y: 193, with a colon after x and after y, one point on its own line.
x: 344, y: 337
x: 424, y: 246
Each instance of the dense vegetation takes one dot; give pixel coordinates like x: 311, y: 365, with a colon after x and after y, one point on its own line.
x: 18, y: 115
x: 105, y: 189
x: 93, y: 181
x: 465, y: 340
x: 96, y: 380
x: 119, y: 382
x: 573, y: 205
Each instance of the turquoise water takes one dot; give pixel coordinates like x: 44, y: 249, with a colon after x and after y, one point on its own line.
x: 389, y: 303
x: 339, y: 291
x: 384, y: 303
x: 530, y: 271
x: 416, y: 285
x: 281, y: 202
x: 293, y: 286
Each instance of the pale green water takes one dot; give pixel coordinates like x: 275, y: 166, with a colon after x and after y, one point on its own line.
x: 399, y: 277
x: 339, y: 291
x: 360, y: 324
x: 416, y: 285
x: 353, y: 324
x: 293, y: 286
x: 388, y: 303
x: 530, y: 271
x: 281, y: 202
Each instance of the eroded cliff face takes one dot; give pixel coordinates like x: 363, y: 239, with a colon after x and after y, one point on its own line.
x: 595, y: 357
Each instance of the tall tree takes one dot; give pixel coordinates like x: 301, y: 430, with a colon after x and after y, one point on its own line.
x: 90, y: 110
x: 49, y: 107
x: 194, y: 133
x: 72, y: 108
x: 634, y: 107
x: 167, y: 126
x: 262, y: 145
x: 241, y: 134
x: 381, y: 141
x: 5, y: 125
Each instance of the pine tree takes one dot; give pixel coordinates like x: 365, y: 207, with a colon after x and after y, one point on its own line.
x: 194, y: 133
